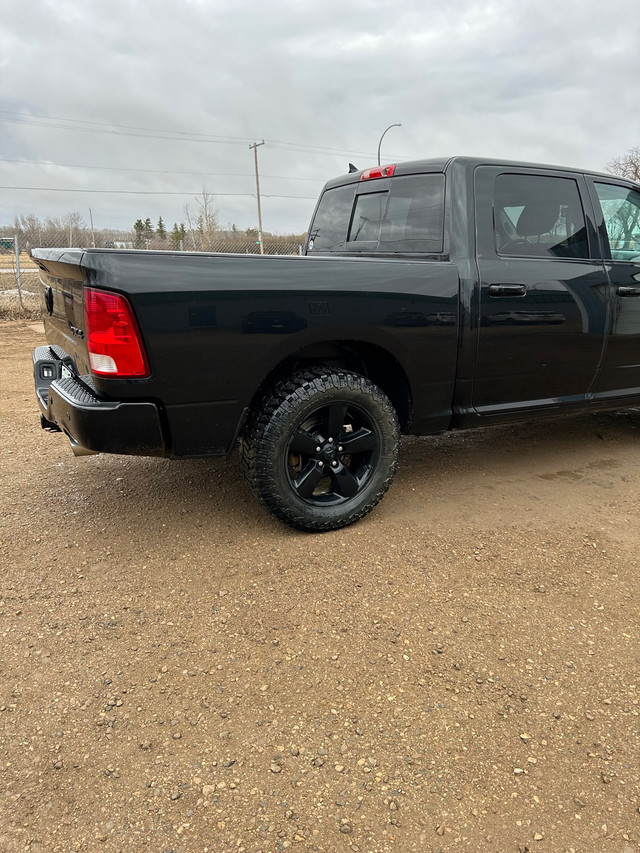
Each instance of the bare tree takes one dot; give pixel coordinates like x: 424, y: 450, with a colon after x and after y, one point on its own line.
x: 187, y: 212
x: 29, y: 230
x: 206, y: 219
x: 627, y: 165
x: 76, y: 227
x: 70, y: 230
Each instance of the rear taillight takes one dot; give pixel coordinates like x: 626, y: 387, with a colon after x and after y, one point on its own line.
x: 113, y: 337
x: 378, y: 172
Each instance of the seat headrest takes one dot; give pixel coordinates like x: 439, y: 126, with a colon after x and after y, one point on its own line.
x: 537, y: 218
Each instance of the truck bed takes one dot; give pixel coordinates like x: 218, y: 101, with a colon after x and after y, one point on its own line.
x: 216, y: 325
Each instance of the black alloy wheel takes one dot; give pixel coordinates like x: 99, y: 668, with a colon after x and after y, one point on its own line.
x: 332, y: 454
x: 320, y: 449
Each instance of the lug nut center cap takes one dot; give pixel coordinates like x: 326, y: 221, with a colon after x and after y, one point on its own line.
x: 329, y: 452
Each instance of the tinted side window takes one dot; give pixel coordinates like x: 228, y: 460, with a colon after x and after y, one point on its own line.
x: 537, y: 216
x: 621, y: 211
x: 328, y: 231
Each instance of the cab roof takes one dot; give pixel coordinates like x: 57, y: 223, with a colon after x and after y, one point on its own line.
x: 443, y: 164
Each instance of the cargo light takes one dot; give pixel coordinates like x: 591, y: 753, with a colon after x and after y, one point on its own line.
x: 378, y: 172
x: 113, y: 337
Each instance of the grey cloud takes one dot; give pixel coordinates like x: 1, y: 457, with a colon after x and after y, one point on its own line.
x: 505, y: 79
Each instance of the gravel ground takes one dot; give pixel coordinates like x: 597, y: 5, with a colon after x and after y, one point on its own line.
x: 459, y: 671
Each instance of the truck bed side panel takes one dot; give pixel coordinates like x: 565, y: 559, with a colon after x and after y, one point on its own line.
x: 215, y: 326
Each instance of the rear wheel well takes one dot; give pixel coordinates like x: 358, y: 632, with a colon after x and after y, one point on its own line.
x: 369, y: 360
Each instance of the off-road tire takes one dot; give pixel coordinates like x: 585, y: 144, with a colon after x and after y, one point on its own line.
x: 332, y: 430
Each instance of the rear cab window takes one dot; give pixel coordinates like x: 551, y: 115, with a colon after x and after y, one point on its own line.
x: 328, y: 230
x: 399, y: 215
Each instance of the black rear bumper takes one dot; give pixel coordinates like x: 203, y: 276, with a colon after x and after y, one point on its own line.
x: 93, y: 424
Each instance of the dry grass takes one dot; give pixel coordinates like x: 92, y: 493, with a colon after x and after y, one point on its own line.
x: 11, y: 306
x: 8, y: 261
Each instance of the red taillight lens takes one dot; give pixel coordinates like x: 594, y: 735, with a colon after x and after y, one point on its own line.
x: 113, y: 338
x: 378, y: 172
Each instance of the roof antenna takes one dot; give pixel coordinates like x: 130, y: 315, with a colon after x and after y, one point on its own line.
x: 352, y: 168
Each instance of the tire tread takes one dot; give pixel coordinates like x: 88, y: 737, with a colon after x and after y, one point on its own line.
x: 282, y: 401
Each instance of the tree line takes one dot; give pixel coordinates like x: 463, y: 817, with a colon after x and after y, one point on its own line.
x: 198, y: 230
x: 197, y: 237
x: 73, y: 230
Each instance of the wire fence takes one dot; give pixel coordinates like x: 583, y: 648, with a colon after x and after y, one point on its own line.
x: 19, y: 274
x: 18, y: 278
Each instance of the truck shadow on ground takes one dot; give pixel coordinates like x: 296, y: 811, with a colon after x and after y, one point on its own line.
x: 525, y: 447
x: 210, y: 495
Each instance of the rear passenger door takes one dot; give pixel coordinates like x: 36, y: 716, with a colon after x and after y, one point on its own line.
x: 618, y: 218
x: 542, y: 302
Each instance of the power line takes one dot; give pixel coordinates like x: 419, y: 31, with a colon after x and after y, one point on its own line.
x: 21, y: 119
x: 155, y: 133
x: 151, y: 192
x: 155, y: 171
x: 178, y: 136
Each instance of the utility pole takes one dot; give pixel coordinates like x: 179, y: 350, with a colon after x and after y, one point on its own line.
x: 255, y: 155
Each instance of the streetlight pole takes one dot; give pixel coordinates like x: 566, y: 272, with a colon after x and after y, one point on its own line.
x: 399, y: 124
x: 93, y: 234
x: 255, y: 155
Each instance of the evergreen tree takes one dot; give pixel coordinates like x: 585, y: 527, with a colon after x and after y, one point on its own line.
x: 161, y: 231
x: 138, y: 229
x: 148, y: 229
x: 175, y: 236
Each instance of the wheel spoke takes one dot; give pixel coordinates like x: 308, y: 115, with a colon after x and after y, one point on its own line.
x: 344, y: 481
x: 303, y: 442
x: 335, y: 419
x: 306, y: 482
x: 360, y: 441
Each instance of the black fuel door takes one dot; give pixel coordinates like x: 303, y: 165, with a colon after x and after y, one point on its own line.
x: 48, y: 300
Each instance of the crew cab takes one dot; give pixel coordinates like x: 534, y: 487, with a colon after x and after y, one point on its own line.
x: 433, y: 295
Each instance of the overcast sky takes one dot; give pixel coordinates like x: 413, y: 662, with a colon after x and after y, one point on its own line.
x: 89, y: 89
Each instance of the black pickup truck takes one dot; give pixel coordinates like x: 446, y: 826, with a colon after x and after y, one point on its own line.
x: 433, y: 295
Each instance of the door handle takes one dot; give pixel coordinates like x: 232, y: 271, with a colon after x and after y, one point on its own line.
x: 507, y: 290
x: 628, y: 291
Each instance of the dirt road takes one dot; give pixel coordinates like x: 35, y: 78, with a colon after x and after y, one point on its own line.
x: 459, y: 671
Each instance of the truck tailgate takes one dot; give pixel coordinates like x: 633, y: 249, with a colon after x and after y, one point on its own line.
x: 62, y: 282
